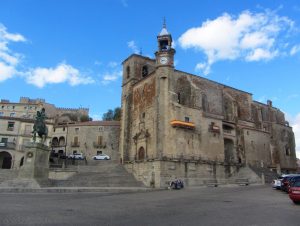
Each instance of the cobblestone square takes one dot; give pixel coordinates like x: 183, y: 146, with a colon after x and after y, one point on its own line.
x: 235, y: 205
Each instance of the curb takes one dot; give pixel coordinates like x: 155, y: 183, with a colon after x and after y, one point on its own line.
x: 76, y: 190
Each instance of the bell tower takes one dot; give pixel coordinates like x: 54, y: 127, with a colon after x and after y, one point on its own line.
x: 165, y: 54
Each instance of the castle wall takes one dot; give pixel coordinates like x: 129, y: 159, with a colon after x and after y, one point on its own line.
x: 257, y: 147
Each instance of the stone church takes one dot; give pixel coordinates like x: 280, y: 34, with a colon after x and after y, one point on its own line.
x: 179, y: 125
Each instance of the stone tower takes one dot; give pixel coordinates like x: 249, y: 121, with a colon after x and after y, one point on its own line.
x: 165, y: 53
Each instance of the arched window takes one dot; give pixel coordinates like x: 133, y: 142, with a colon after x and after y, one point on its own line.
x: 127, y: 71
x: 61, y: 141
x: 55, y: 142
x: 179, y: 98
x: 287, y: 151
x: 144, y: 71
x: 6, y: 160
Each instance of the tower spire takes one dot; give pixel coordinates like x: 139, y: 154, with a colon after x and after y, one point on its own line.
x: 164, y: 22
x: 164, y: 30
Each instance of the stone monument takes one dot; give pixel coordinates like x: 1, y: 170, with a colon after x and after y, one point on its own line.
x: 36, y: 159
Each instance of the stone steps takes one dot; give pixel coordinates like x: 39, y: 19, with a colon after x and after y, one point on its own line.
x: 268, y: 174
x: 99, y: 174
x: 7, y: 174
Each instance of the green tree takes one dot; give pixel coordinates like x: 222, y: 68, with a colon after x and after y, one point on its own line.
x: 85, y: 118
x: 117, y: 114
x: 108, y: 116
x: 112, y: 115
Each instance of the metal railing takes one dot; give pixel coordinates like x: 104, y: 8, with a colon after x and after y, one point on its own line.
x: 99, y: 145
x: 7, y: 145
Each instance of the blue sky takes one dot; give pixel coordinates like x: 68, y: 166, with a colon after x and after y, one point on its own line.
x: 70, y: 52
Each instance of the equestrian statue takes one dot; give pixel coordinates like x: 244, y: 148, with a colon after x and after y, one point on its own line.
x: 40, y: 127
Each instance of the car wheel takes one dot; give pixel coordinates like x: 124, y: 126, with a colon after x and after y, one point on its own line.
x: 95, y: 158
x: 296, y: 202
x: 105, y: 158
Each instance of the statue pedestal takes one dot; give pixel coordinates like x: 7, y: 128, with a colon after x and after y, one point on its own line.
x: 36, y: 162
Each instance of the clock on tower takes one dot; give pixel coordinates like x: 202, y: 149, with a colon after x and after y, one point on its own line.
x: 165, y: 53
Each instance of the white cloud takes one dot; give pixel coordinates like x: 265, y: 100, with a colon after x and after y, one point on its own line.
x: 9, y: 60
x: 295, y: 49
x: 249, y: 36
x: 97, y: 117
x: 6, y: 71
x: 6, y: 36
x: 109, y: 77
x: 261, y: 54
x: 203, y: 67
x: 131, y: 45
x: 60, y: 74
x: 295, y: 123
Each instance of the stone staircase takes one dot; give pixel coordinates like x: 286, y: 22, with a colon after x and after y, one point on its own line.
x: 268, y: 174
x: 97, y: 174
x: 7, y: 174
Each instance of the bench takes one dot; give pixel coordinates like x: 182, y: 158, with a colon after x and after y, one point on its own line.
x: 242, y: 181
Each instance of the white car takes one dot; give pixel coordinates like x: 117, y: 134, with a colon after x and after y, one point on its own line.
x: 276, y: 183
x: 76, y: 156
x: 101, y: 157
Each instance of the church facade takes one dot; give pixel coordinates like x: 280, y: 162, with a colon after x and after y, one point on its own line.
x: 176, y: 124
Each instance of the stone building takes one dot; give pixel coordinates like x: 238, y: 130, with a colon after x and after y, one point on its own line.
x: 27, y: 108
x: 89, y: 138
x: 176, y: 124
x: 16, y: 126
x: 15, y: 133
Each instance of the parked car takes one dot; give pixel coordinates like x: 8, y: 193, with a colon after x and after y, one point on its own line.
x: 294, y: 191
x: 76, y: 156
x: 101, y: 157
x: 176, y: 184
x: 292, y: 180
x: 285, y: 183
x: 276, y: 183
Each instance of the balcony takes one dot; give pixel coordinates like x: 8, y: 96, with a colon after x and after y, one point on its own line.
x: 182, y: 124
x: 227, y: 131
x: 75, y: 144
x: 99, y: 145
x: 8, y: 145
x: 56, y: 145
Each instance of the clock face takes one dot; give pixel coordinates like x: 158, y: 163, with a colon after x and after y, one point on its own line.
x: 163, y: 60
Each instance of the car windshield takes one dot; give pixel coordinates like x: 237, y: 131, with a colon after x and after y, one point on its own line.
x: 297, y: 183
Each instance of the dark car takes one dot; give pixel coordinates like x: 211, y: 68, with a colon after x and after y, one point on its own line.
x: 285, y: 183
x: 292, y: 180
x: 176, y: 184
x: 294, y: 191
